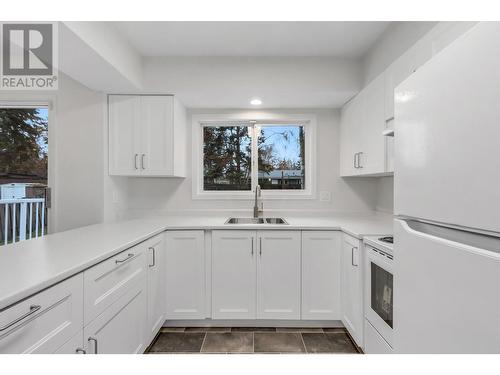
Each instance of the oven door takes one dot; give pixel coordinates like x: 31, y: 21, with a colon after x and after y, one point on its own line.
x: 379, y: 293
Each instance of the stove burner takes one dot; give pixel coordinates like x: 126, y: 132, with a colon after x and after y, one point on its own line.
x: 388, y: 239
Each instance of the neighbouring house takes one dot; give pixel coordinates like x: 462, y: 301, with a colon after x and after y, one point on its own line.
x: 282, y: 179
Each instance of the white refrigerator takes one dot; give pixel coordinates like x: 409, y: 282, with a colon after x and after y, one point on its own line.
x: 447, y: 200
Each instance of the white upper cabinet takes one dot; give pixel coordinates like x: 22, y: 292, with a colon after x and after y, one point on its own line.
x: 124, y: 112
x: 146, y: 136
x: 362, y: 145
x: 371, y: 159
x: 321, y: 275
x: 364, y: 151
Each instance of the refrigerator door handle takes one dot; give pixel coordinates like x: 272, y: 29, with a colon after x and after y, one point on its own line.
x: 478, y: 243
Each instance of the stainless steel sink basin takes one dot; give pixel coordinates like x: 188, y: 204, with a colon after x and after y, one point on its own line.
x: 275, y: 220
x: 252, y: 220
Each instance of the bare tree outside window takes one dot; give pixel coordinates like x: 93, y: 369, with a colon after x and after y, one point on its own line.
x: 23, y: 173
x: 281, y: 157
x: 227, y: 157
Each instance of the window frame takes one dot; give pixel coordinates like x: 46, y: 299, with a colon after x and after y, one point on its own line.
x: 254, y: 121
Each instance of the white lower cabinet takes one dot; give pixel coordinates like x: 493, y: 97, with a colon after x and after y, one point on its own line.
x: 120, y: 329
x: 185, y: 274
x: 278, y: 275
x: 107, y: 281
x: 321, y: 254
x: 233, y: 274
x: 352, y: 287
x: 155, y: 255
x: 255, y: 274
x: 45, y: 321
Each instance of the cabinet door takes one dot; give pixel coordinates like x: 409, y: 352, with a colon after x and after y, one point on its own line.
x: 278, y: 275
x: 372, y: 156
x: 45, y: 321
x: 352, y: 288
x: 233, y: 274
x: 157, y: 135
x: 351, y: 135
x: 321, y: 275
x: 185, y: 273
x: 120, y: 329
x: 396, y: 73
x: 124, y: 142
x: 156, y: 285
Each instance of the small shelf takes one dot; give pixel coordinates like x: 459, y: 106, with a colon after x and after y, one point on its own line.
x: 388, y: 133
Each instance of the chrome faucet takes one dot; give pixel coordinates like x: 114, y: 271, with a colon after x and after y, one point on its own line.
x: 256, y: 209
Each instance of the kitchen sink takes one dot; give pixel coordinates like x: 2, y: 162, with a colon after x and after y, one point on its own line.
x: 259, y: 220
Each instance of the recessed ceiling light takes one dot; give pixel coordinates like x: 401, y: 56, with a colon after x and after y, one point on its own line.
x: 256, y: 101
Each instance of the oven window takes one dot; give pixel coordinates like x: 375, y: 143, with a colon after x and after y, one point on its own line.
x: 381, y: 293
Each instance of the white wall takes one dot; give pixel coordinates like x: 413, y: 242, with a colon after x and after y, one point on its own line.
x: 230, y: 82
x: 156, y: 195
x: 79, y: 155
x: 75, y: 151
x: 395, y: 40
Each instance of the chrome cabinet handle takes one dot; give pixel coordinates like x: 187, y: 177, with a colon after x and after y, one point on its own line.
x: 252, y: 247
x: 260, y: 246
x: 95, y: 343
x: 135, y: 161
x: 356, y: 160
x: 33, y: 309
x: 80, y: 351
x: 142, y: 161
x: 153, y: 251
x: 359, y: 160
x: 352, y: 256
x: 118, y: 261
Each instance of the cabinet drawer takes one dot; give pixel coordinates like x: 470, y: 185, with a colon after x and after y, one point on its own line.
x: 109, y: 280
x: 121, y: 328
x: 73, y: 346
x: 45, y: 321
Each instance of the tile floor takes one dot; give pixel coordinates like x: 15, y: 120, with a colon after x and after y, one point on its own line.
x: 245, y: 340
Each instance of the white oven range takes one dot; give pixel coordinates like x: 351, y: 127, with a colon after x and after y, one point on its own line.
x: 379, y: 296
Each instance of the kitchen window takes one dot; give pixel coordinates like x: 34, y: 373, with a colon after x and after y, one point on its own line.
x: 235, y: 156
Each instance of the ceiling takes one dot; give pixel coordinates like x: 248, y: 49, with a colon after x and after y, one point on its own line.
x: 174, y: 39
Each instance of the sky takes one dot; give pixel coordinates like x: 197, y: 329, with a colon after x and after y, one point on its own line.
x: 283, y: 149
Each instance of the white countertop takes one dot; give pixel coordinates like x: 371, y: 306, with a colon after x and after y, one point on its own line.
x: 30, y: 266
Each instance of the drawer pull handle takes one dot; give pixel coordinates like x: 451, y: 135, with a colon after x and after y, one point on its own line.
x: 129, y: 256
x: 33, y: 309
x: 95, y: 343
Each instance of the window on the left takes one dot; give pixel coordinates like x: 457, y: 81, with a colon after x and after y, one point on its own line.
x: 227, y: 158
x: 23, y: 173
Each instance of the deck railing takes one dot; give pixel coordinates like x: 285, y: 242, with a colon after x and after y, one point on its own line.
x: 21, y: 219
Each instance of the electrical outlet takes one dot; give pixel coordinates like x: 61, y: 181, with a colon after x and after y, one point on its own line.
x: 325, y: 196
